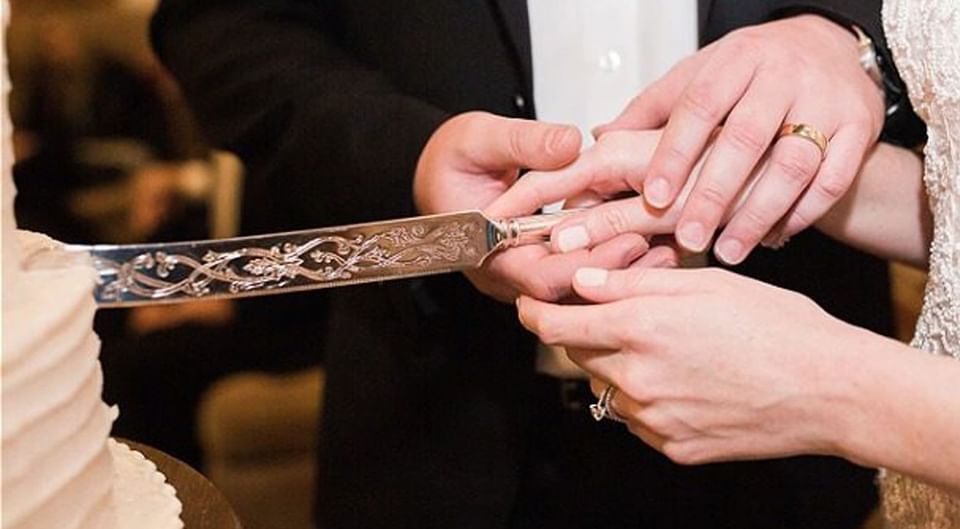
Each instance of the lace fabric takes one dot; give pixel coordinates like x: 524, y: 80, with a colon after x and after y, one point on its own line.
x: 924, y: 37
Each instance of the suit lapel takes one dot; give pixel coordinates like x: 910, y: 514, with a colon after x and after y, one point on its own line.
x: 703, y: 14
x: 512, y: 16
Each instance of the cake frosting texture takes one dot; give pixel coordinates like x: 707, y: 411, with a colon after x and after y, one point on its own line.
x: 59, y: 468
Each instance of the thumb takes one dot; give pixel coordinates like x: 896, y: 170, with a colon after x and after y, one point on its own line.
x: 495, y: 143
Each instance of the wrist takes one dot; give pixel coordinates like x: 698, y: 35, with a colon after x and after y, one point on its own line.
x: 860, y: 425
x: 853, y: 44
x: 845, y: 394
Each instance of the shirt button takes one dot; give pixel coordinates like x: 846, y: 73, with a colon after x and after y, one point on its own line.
x: 519, y: 101
x: 610, y: 61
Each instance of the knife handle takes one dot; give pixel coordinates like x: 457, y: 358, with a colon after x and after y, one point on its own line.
x: 533, y: 229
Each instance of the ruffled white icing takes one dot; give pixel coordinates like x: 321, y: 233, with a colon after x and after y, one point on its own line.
x: 142, y: 497
x: 58, y: 468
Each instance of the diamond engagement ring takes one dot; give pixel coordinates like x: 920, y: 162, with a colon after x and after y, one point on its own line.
x: 603, y: 409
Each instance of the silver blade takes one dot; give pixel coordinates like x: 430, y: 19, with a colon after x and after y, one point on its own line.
x: 295, y: 261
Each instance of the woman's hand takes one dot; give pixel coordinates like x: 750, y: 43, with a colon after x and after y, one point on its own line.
x: 709, y: 365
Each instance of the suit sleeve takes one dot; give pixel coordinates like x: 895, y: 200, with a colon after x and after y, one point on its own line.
x: 902, y: 125
x: 326, y: 138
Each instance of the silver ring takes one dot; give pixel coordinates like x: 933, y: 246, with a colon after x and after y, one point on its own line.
x: 603, y: 409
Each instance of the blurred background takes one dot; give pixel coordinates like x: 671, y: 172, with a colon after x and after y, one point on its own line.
x: 107, y: 151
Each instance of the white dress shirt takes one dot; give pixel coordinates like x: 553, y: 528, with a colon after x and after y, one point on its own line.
x: 590, y: 58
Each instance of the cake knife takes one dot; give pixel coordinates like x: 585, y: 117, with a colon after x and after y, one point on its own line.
x: 139, y: 274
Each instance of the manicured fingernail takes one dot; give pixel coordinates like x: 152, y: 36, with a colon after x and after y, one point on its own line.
x: 657, y: 192
x: 730, y: 251
x: 591, y: 277
x: 692, y: 236
x: 572, y: 238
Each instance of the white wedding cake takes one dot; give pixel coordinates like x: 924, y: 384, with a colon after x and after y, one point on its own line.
x: 59, y: 468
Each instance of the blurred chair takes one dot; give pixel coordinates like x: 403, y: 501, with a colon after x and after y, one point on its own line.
x: 906, y: 288
x: 259, y: 433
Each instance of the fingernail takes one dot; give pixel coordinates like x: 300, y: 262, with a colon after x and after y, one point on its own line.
x: 692, y: 236
x: 572, y: 238
x: 657, y: 192
x: 730, y: 251
x: 591, y: 277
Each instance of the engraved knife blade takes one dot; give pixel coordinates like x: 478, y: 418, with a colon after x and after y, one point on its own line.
x: 139, y: 274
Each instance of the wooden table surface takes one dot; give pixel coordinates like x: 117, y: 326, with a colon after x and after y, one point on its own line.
x: 204, y: 507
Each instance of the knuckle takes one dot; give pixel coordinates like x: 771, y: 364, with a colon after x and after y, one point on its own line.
x: 635, y: 385
x: 639, y: 332
x: 682, y: 453
x: 745, y: 138
x: 866, y: 116
x: 547, y: 329
x: 470, y: 124
x: 675, y: 157
x: 515, y: 143
x: 537, y: 286
x: 659, y: 421
x: 744, y: 42
x: 756, y: 221
x: 634, y: 280
x: 713, y: 195
x: 700, y: 101
x: 833, y: 185
x: 862, y: 119
x: 797, y: 163
x: 800, y: 218
x: 614, y: 221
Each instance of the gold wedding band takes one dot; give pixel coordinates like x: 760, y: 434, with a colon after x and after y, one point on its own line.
x: 806, y: 132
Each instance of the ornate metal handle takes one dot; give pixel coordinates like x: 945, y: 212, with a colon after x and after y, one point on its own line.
x: 534, y: 229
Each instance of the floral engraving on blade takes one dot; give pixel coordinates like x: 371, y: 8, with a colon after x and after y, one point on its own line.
x: 325, y: 259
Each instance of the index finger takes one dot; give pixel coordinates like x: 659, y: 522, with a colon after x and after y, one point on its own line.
x: 581, y: 326
x: 608, y: 220
x: 533, y: 271
x: 702, y: 106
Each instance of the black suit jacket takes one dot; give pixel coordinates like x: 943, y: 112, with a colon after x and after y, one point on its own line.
x: 329, y: 103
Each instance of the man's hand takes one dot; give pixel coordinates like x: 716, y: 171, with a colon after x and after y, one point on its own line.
x: 599, y: 178
x: 474, y: 158
x: 804, y: 70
